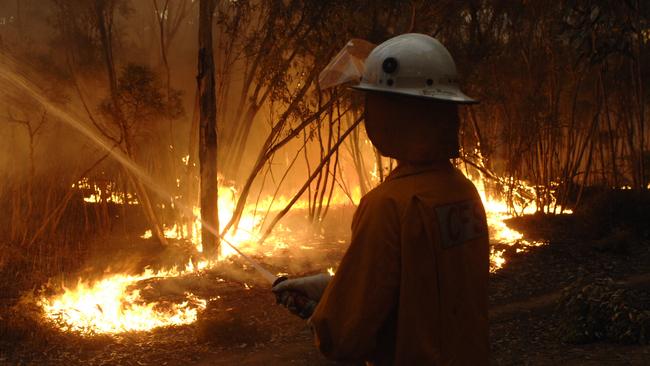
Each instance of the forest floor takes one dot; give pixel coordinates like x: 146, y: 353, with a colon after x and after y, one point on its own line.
x: 245, y: 326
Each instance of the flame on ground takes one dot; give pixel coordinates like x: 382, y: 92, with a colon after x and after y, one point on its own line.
x: 112, y: 305
x: 498, y: 211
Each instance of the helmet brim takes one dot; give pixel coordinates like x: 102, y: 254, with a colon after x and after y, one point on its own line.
x: 449, y: 95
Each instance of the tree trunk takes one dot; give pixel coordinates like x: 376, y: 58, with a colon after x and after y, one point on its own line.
x: 208, y: 133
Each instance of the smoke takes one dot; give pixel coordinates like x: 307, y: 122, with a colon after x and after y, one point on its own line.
x: 41, y: 92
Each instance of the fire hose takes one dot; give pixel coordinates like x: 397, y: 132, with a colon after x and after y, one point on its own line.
x: 295, y: 301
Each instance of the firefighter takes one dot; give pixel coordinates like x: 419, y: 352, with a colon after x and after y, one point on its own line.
x: 412, y: 287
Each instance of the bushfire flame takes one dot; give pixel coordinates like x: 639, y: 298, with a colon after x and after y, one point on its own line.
x: 113, y: 305
x: 498, y: 211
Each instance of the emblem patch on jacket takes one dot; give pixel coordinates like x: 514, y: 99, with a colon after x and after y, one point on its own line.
x: 461, y: 222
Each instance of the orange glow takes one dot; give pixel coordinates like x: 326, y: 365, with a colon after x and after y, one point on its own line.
x: 112, y: 305
x: 498, y: 211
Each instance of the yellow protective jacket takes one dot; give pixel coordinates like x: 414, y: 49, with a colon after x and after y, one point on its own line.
x: 412, y: 287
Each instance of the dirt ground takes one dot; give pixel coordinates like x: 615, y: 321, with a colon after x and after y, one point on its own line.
x: 245, y: 326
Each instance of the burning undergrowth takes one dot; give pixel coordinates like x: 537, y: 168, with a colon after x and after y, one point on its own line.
x: 116, y: 304
x: 156, y: 287
x: 133, y: 284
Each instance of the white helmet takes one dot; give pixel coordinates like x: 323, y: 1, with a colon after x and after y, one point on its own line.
x: 413, y: 64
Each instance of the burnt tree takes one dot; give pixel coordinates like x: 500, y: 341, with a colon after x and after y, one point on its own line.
x: 208, y: 132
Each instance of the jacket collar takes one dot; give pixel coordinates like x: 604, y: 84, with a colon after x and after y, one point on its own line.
x: 405, y: 169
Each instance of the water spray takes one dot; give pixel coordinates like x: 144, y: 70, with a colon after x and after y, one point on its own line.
x: 22, y: 83
x: 270, y: 277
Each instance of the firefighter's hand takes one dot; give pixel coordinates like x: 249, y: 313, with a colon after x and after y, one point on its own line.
x: 301, y: 295
x: 311, y: 286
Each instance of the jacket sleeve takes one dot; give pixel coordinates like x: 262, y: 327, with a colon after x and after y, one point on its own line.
x: 364, y: 292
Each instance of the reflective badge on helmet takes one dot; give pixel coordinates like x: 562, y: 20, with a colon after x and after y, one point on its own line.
x: 461, y: 222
